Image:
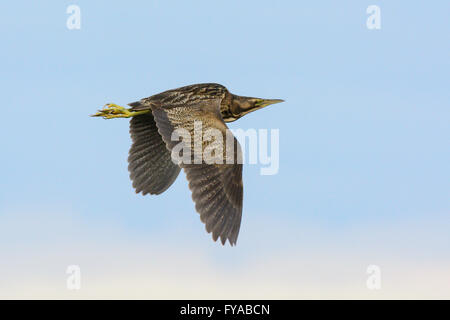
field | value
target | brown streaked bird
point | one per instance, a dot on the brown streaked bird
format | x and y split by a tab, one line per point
216	187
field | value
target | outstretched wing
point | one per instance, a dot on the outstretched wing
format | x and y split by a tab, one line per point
150	164
216	188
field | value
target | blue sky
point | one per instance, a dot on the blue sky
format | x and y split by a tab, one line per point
364	153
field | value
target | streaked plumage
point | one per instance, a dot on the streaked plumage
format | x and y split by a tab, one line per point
216	188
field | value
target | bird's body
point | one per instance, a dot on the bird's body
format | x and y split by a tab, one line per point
216	186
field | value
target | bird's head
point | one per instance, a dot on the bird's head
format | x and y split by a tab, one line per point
240	106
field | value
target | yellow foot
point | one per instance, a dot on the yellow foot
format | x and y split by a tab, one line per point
111	110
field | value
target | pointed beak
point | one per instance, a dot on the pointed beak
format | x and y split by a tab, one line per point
245	105
261	103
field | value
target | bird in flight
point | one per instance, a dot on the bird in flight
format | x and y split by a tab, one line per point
155	160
